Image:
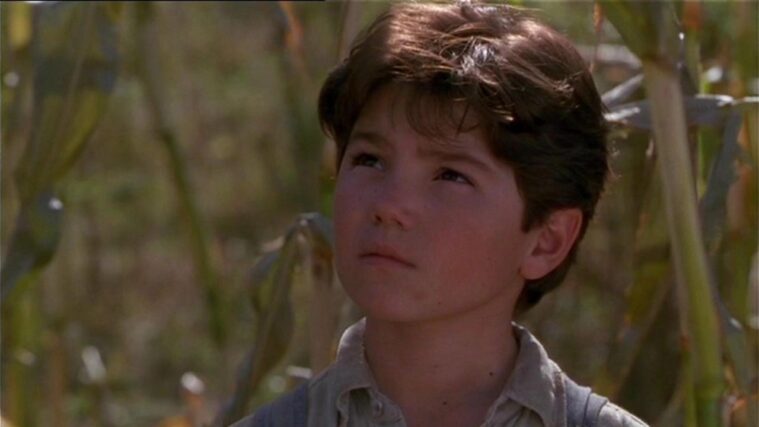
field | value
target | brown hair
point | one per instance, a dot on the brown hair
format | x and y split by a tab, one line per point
527	85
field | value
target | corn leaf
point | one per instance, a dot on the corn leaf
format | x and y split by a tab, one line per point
651	30
651	284
326	296
620	93
150	73
76	63
76	57
700	110
270	286
646	27
33	242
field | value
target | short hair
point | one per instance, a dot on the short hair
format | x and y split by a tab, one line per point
528	86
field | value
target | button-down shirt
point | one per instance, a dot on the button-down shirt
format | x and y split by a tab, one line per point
346	394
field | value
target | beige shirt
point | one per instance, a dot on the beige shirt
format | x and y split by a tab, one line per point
345	394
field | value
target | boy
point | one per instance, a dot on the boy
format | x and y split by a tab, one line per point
471	153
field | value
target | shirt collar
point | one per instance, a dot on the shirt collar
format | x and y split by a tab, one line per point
352	369
533	382
353	373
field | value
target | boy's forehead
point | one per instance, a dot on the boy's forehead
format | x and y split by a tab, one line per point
438	138
449	125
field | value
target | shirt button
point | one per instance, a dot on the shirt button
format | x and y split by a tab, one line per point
377	408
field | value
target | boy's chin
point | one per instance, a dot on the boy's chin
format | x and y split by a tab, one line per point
393	316
386	310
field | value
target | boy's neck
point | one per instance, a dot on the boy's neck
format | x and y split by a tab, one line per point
444	368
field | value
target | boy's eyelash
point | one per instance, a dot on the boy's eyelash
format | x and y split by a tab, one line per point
357	158
468	181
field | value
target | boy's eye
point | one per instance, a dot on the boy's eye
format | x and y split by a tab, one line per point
364	159
452	175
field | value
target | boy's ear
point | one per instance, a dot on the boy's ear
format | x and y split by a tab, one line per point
554	238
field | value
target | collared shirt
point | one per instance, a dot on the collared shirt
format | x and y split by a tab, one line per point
346	394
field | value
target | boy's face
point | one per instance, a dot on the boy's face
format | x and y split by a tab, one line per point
454	224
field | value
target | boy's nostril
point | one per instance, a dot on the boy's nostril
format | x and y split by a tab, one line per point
388	218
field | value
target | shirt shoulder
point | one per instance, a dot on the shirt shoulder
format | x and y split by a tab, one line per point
612	415
323	393
289	409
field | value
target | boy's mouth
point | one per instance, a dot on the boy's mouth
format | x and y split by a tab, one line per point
385	253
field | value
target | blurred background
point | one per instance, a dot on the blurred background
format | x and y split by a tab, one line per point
158	160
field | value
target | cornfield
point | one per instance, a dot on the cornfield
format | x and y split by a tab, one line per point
166	203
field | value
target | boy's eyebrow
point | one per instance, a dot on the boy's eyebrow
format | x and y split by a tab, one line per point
373	138
455	156
377	139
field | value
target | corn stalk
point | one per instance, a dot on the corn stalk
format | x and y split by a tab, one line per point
648	29
150	73
74	46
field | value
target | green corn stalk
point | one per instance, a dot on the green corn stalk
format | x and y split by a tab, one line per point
298	86
649	31
150	74
652	273
76	59
349	27
688	249
723	113
646	296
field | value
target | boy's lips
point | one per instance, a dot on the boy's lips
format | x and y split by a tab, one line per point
385	253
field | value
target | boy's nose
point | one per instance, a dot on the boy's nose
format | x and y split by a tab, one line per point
393	205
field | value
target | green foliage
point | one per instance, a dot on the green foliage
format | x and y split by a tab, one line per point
270	288
76	52
75	48
149	70
698	298
648	28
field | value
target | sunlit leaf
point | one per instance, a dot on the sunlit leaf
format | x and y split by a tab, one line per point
651	30
175	421
714	202
76	62
319	229
620	93
646	295
700	110
33	241
274	325
260	281
648	28
19	24
270	294
713	208
270	289
326	295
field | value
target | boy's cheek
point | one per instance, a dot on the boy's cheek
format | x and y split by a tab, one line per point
349	198
346	219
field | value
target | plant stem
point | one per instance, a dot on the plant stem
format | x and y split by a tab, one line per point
150	74
671	139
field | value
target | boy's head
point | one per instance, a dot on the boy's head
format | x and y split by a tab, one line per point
495	71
